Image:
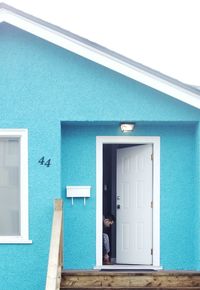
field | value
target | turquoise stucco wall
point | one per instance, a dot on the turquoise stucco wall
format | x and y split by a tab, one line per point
197	184
42	85
178	192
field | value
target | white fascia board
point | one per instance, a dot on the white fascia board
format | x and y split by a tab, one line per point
100	57
2	15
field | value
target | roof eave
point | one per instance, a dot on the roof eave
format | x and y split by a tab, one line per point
100	55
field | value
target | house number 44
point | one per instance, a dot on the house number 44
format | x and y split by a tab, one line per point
42	161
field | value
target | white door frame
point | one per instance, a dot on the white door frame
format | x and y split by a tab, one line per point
155	141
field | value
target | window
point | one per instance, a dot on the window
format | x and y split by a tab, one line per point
14	186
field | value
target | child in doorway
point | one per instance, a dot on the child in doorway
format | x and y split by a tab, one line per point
107	223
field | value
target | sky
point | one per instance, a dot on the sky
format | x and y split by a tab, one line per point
161	34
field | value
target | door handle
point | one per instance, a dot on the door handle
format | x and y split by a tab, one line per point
118	206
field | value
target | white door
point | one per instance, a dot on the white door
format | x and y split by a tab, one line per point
134	205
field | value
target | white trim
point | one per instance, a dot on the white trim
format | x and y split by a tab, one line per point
23	135
14	240
46	31
128	267
155	141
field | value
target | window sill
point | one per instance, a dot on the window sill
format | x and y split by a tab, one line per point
14	240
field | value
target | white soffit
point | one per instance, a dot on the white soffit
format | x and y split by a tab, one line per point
100	55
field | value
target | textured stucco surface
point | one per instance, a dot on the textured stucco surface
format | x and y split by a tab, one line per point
197	184
42	85
178	192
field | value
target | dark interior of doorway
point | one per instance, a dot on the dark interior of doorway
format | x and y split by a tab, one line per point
109	192
109	189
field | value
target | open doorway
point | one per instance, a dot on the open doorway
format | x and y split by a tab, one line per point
109	194
127	163
127	195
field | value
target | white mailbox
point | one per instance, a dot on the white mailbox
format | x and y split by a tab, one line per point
78	191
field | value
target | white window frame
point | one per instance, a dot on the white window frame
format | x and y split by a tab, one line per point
23	238
155	141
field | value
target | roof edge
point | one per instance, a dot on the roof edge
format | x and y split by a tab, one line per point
101	55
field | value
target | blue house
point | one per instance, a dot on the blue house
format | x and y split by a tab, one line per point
63	100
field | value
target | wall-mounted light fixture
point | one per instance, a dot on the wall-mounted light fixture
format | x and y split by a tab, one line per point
127	127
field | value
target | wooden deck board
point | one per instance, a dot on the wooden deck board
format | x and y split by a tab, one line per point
130	272
130	280
136	288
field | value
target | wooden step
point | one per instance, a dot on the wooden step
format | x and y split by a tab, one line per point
118	280
135	288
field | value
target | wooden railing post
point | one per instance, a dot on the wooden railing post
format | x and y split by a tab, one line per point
55	263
